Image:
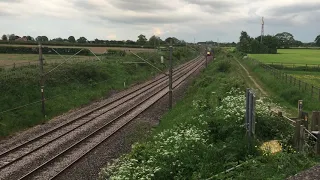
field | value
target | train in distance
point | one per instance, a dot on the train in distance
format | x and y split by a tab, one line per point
210	52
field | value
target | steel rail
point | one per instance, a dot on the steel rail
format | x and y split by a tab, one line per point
91	118
91	111
188	73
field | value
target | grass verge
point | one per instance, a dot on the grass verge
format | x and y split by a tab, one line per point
70	86
282	92
204	135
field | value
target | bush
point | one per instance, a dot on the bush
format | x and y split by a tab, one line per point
224	66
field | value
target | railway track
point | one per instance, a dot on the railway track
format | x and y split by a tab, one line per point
52	152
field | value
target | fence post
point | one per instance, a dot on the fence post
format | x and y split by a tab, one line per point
301	138
300	108
315	121
297	134
250	116
290	79
305	86
318	143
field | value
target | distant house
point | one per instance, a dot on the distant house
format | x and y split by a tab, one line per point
24	38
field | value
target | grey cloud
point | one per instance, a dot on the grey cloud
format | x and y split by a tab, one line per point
215	5
5	14
11	1
271	21
138	6
295	9
84	4
150	19
141	5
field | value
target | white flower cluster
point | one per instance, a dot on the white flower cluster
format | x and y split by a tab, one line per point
166	145
232	107
198	104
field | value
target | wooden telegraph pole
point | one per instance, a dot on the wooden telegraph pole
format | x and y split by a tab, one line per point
42	80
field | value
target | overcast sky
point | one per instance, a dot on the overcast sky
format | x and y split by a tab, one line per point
184	19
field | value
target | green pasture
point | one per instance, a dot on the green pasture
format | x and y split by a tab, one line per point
307	76
290	56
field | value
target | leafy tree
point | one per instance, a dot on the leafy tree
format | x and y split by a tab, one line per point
285	39
270	44
82	40
45	38
72	39
130	42
59	39
255	46
244	44
97	41
317	40
29	38
42	39
174	40
297	43
155	40
4	37
142	39
13	37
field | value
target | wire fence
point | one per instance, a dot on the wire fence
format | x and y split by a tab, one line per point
312	89
294	66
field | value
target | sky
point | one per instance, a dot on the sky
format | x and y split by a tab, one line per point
202	20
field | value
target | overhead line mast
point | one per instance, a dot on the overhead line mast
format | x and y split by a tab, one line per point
262	29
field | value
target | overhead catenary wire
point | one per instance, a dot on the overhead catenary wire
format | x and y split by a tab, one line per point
62	63
148	62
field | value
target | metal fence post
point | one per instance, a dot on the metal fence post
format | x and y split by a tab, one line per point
170	77
42	80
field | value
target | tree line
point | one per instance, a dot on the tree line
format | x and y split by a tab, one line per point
141	40
269	44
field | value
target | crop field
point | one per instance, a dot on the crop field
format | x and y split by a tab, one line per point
291	56
98	50
10	60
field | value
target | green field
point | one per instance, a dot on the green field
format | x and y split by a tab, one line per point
296	56
308	77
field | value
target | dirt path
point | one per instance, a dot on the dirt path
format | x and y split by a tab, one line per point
309	174
252	79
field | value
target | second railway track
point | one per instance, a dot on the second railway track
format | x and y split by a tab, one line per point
47	155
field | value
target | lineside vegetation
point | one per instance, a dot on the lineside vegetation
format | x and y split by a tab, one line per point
204	135
70	86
